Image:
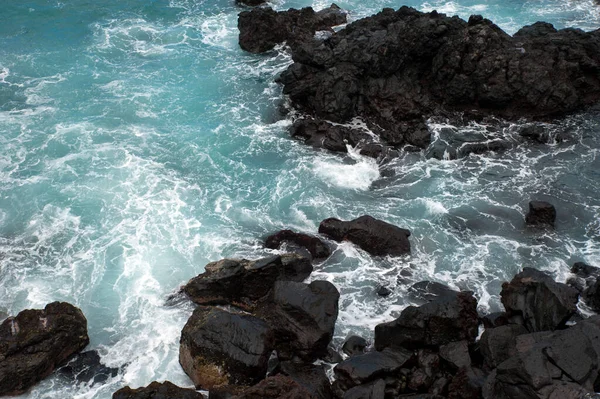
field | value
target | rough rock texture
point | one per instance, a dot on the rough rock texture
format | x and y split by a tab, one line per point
310	377
86	367
241	282
365	368
543	303
317	248
354	345
500	343
466	384
261	29
374	236
302	316
396	67
540	213
157	390
433	324
36	342
276	387
561	364
456	354
373	390
251	3
219	348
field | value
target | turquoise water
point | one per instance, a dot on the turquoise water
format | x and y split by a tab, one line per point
138	143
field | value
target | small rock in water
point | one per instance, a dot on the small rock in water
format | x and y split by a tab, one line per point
384	291
354	345
157	390
86	367
317	248
251	3
541	213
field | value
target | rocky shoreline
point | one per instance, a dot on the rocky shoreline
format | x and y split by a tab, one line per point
259	331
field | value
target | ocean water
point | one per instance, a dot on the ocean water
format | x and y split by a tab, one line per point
138	143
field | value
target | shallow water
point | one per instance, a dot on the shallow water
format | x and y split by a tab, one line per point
138	143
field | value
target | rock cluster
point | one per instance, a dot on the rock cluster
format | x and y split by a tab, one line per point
395	69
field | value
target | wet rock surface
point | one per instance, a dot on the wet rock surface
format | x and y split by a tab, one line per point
317	248
87	367
157	390
372	235
540	213
37	341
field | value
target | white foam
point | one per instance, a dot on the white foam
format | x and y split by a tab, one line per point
356	176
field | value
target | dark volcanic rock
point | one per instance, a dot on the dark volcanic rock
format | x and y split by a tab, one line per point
396	67
540	213
354	345
430	290
276	387
456	354
374	236
560	364
500	343
316	247
365	368
384	291
433	324
36	342
219	348
374	390
261	29
241	282
466	384
584	270
310	377
543	303
157	390
591	295
86	367
251	3
302	316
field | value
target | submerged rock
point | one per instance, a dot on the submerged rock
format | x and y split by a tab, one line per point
354	345
396	67
430	290
86	367
157	390
261	29
317	248
35	342
242	282
543	303
302	317
219	348
541	213
374	236
251	3
433	324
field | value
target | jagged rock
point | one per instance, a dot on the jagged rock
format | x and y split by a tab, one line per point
543	303
584	270
384	291
373	390
310	377
428	364
500	343
393	68
86	367
430	290
35	342
547	363
466	384
218	347
433	324
361	369
261	29
591	295
302	316
354	345
242	282
316	247
456	354
374	236
541	213
157	390
496	319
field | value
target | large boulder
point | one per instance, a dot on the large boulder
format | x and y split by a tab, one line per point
396	67
362	369
317	248
35	342
157	390
310	377
560	364
261	29
374	236
218	348
302	316
541	213
433	324
500	343
543	303
242	282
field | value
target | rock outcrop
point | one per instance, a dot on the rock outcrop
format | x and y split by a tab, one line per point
35	342
157	390
543	303
243	282
374	236
261	29
317	248
218	348
541	213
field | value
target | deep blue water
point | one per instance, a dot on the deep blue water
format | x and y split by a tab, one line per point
138	143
